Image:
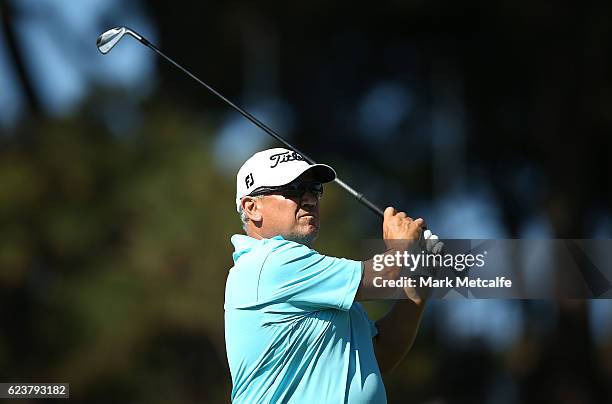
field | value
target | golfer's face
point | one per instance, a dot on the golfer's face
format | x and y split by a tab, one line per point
292	217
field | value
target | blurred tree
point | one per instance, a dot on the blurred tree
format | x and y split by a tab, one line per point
7	13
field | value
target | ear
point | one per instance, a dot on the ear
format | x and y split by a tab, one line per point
252	207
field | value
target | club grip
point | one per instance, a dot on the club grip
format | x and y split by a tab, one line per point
368	204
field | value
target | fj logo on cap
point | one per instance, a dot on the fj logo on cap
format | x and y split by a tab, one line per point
284	157
249	181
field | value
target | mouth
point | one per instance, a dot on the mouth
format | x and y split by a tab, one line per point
308	215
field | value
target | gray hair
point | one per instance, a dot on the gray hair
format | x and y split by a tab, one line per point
243	216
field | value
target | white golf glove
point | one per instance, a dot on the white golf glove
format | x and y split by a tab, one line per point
431	243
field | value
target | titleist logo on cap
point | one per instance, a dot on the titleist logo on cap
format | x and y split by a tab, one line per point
284	157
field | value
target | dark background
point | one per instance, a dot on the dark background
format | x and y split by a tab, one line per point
488	119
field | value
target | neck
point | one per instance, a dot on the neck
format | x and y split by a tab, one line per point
298	238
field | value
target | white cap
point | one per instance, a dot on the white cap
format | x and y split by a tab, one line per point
275	167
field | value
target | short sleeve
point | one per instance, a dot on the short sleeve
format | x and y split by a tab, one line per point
373	327
366	318
295	274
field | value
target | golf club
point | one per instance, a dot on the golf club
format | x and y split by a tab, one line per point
110	38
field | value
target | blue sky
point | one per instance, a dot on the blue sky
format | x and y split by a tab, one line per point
57	39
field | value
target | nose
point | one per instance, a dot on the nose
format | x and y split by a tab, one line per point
308	199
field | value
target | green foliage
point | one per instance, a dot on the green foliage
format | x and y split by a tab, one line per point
109	242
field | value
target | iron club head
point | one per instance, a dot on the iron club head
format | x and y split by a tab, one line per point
109	39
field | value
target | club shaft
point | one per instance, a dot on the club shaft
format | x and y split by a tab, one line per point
359	196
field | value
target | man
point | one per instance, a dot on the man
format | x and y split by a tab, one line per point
294	330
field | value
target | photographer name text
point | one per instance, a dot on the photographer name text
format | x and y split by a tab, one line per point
447	282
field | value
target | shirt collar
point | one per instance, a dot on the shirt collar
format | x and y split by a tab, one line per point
243	244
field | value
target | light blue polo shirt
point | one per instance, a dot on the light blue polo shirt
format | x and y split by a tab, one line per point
293	332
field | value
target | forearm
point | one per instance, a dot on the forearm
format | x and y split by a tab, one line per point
396	332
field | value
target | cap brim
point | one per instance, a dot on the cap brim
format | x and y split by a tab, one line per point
321	172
